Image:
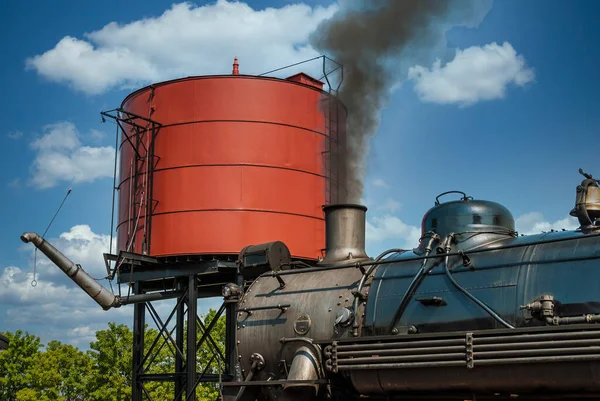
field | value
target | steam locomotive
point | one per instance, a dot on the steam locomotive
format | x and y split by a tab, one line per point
474	311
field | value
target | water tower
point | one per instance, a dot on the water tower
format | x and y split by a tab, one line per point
208	166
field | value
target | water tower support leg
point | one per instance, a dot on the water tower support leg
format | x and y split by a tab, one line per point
179	361
191	335
139	320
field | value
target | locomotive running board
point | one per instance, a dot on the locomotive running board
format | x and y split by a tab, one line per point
466	349
271	383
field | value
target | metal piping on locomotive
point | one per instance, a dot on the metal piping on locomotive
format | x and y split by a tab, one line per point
95	290
345	226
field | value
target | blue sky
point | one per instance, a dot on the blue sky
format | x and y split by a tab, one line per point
509	115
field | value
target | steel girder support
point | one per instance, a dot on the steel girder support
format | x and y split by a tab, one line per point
139	323
175	334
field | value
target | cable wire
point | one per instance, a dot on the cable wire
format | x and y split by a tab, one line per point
483	306
34	281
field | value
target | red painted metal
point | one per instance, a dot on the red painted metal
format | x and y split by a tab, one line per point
236	67
238	160
306	79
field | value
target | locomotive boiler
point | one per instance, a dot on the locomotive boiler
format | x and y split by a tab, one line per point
475	309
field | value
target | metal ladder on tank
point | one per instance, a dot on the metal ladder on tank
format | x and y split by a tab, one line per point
140	133
331	152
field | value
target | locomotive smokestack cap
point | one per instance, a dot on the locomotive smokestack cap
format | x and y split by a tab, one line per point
344	233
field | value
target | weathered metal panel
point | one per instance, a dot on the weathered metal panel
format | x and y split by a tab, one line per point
317	296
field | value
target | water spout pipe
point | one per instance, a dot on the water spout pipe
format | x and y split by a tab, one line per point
95	290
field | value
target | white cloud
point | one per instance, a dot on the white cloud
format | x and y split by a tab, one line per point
389	205
18	289
535	223
60	156
15	135
59	136
14	183
378	182
85	247
475	74
390	227
96	135
185	40
81	336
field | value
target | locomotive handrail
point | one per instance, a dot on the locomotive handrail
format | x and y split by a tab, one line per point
282	307
358	265
464	198
358	294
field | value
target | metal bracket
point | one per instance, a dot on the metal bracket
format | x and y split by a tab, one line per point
258	361
469	351
433	301
283	367
466	261
281	282
333	366
282	307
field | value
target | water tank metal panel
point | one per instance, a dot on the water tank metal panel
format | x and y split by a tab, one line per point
239	160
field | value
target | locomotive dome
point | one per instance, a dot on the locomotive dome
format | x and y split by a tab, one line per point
467	215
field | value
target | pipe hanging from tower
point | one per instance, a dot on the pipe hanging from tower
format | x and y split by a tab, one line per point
95	290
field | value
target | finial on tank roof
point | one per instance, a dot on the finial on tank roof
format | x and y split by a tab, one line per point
236	67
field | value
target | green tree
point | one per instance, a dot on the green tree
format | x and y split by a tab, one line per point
207	357
15	364
62	372
164	362
112	357
111	360
59	373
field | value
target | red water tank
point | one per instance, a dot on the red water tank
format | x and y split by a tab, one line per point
223	162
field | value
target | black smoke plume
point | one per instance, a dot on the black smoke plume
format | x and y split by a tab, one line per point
364	39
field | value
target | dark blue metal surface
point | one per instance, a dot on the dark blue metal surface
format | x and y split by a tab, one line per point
467	216
567	268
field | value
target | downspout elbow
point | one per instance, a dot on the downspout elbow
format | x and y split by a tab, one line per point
31	237
95	290
304	373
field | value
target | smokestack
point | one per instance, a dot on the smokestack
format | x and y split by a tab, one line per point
368	40
344	234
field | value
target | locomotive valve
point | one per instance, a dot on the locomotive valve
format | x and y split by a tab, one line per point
543	306
231	291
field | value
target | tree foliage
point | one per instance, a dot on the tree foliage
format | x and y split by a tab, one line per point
205	361
60	372
16	364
